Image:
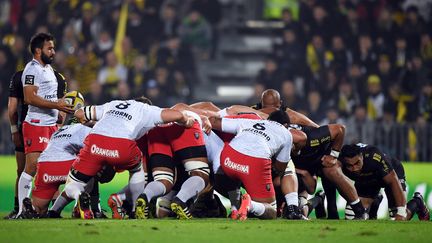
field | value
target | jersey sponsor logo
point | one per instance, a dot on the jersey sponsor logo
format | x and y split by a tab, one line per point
237	167
120	114
196	134
258	132
43	140
314	142
29	79
54	178
104	152
52	96
65	135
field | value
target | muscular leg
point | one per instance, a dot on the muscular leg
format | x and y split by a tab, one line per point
330	191
26	178
40	205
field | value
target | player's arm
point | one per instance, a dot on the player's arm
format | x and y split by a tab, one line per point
337	135
279	168
392	182
299	139
309	181
31	98
170	115
298	118
206	105
236	109
13	120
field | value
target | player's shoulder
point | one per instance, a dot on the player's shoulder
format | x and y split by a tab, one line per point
32	66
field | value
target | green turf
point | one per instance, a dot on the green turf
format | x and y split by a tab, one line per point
212	230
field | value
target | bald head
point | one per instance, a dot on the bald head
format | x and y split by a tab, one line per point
270	98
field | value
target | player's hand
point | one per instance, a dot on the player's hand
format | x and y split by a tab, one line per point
328	161
400	218
189	121
17	139
62	105
206	125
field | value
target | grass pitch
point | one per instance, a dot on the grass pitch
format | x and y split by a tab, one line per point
212	230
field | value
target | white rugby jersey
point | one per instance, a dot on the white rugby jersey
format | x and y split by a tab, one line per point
44	78
214	146
65	143
126	119
259	138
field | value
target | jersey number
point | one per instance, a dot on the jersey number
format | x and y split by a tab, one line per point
259	126
122	106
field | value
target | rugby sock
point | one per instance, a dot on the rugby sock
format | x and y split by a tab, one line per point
60	203
136	185
16	204
373	210
94	197
257	208
357	208
234	197
190	188
122	196
330	191
154	189
292	198
24	189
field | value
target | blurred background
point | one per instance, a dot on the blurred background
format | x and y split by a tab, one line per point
363	63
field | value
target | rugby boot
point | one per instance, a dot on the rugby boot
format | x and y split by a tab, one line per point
51	214
115	203
292	212
423	212
83	206
28	212
180	208
234	214
244	207
11	215
142	207
99	214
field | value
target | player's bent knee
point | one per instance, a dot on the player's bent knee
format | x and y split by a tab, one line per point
197	168
163	207
167	176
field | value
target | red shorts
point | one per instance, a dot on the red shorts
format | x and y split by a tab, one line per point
169	139
98	150
50	175
36	138
254	173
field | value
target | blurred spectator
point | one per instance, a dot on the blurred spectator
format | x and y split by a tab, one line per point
365	53
170	21
111	74
256	96
412	28
290	54
386	27
401	52
129	52
315	109
289	96
426	102
321	24
88	25
84	70
317	56
290	23
175	55
270	76
375	99
196	32
137	75
342	57
347	100
426	49
385	72
359	128
153	92
332	117
96	95
104	44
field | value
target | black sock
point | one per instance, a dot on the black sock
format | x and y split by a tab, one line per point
358	209
94	197
373	210
317	204
330	191
16	205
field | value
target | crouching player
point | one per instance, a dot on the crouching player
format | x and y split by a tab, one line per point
372	170
247	159
113	141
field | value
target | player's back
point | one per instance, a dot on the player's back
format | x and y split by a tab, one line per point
65	143
260	138
126	119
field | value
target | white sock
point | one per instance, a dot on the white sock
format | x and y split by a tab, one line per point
60	203
292	198
122	196
24	189
190	188
355	202
154	189
257	208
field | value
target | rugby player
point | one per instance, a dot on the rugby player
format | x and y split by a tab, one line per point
168	144
372	170
113	141
17	111
40	93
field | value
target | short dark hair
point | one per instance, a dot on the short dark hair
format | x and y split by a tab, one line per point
349	151
38	40
279	116
144	100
